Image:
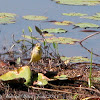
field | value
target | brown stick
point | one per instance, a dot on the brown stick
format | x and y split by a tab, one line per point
89	50
53	90
89	37
85	63
84	88
80	42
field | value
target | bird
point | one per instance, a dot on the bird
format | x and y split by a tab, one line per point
36	53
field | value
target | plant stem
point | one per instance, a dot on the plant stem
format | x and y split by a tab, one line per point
90	74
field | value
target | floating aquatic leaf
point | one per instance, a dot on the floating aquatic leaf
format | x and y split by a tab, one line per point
63	23
98	14
54	30
78	2
75	59
7	15
61	40
23	72
85	25
94	17
49	35
74	14
33	17
6	18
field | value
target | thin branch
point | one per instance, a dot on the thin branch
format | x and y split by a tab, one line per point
84	88
89	37
53	90
89	50
86	63
80	42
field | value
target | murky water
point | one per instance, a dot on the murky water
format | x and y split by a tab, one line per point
54	12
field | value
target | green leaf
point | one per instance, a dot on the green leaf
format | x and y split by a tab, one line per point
42	80
44	43
61	40
85	25
75	59
29	37
38	30
94	17
54	30
22	72
74	14
55	45
6	18
23	31
78	2
61	77
63	23
48	35
30	29
33	17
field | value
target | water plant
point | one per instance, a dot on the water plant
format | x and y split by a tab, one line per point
90	74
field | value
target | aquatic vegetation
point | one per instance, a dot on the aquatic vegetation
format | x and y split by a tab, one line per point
6	18
54	30
61	40
63	23
75	59
74	14
94	17
86	25
78	2
33	17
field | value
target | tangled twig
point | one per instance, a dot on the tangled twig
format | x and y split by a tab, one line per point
80	42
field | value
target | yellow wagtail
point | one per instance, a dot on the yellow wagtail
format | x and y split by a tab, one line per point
36	53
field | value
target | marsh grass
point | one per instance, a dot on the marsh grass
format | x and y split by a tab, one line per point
90	74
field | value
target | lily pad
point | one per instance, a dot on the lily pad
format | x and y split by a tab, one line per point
78	2
48	35
63	23
33	17
6	18
54	30
74	14
87	25
75	59
23	72
94	17
61	40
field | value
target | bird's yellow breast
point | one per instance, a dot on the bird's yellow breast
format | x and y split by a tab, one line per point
36	54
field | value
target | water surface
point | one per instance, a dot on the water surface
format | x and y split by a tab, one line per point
54	12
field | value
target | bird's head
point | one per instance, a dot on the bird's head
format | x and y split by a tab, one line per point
38	46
